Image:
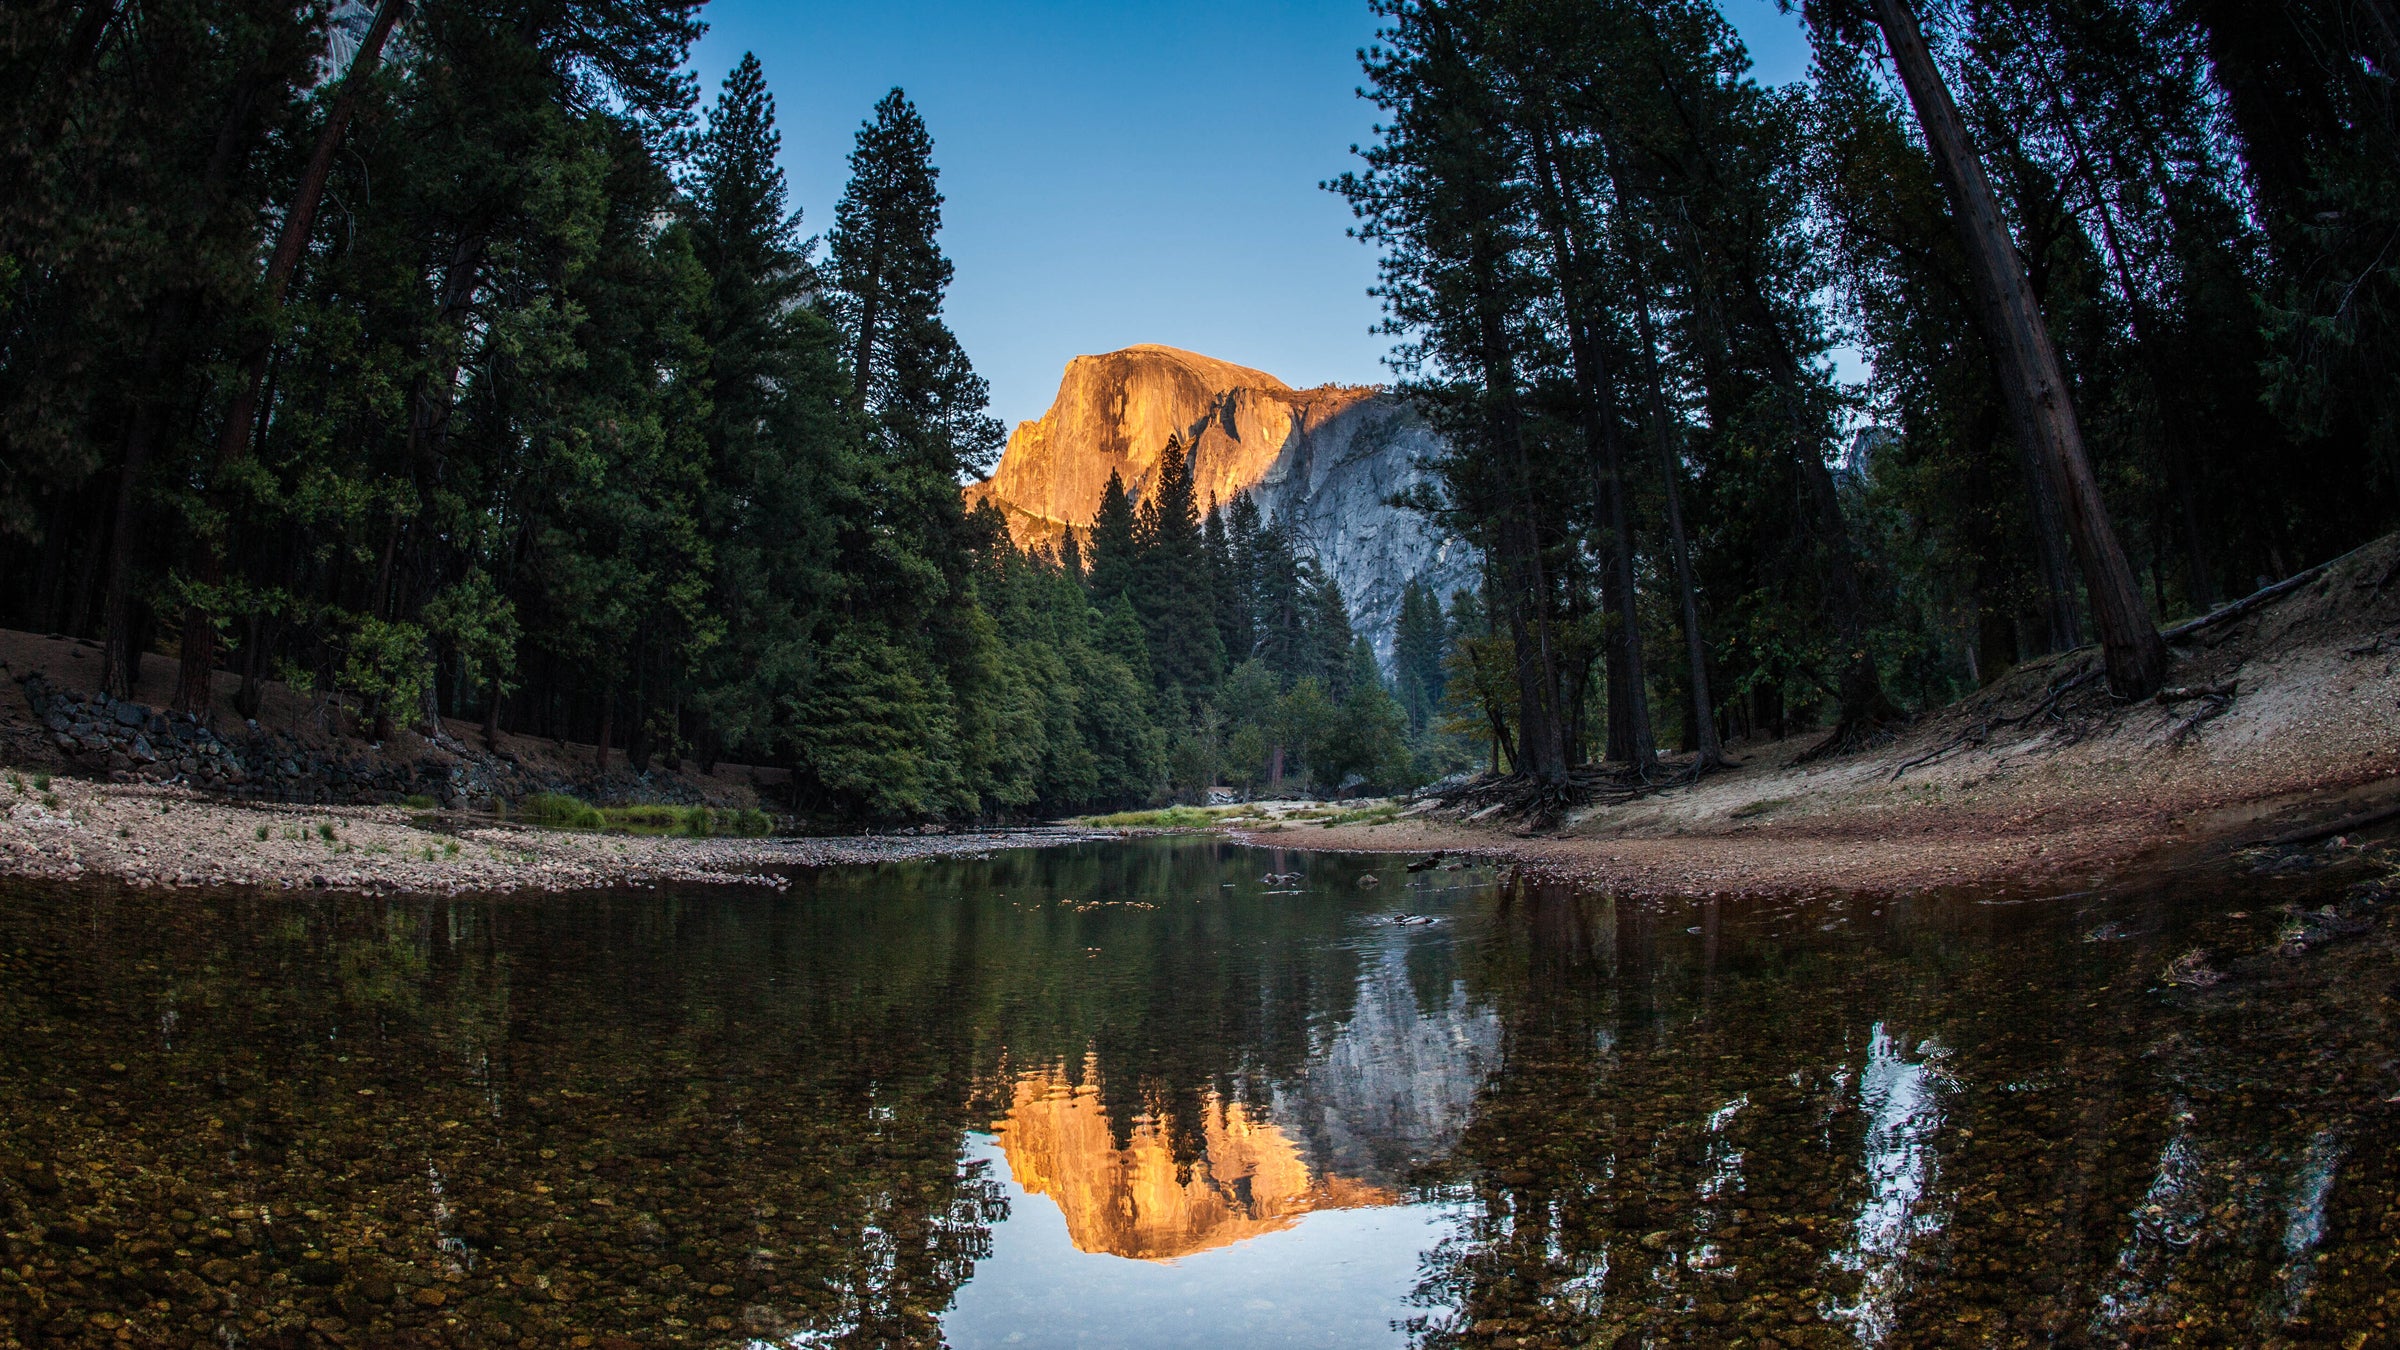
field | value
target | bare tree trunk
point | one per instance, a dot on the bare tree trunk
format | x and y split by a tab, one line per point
2031	378
1596	404
199	626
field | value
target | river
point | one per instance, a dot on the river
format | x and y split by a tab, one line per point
1185	1093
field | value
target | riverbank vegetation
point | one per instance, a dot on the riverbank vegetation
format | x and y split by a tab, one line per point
2119	272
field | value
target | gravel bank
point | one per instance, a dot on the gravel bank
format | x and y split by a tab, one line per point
167	836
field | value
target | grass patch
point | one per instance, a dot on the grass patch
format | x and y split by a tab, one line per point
325	831
699	822
1166	818
262	834
41	782
418	801
1760	808
560	812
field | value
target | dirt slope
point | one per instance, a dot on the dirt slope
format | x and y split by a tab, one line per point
2084	788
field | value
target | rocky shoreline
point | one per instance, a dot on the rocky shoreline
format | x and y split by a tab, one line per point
161	835
133	742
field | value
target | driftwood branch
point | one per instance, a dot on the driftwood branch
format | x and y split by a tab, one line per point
2235	610
2228	613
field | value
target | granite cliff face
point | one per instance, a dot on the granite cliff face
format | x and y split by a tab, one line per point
1326	460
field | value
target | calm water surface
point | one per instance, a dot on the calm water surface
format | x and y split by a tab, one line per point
1167	1094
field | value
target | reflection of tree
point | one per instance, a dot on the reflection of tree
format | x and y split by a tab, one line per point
1974	1126
1139	959
739	1111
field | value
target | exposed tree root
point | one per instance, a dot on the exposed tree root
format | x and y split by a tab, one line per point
2079	676
2214	700
1532	806
1861	733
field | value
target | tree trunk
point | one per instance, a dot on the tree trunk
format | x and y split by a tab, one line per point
1863	703
1596	406
2032	380
608	721
1541	752
491	717
199	626
141	435
2062	628
1670	469
143	426
2180	469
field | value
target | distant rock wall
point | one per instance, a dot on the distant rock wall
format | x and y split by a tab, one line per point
1327	460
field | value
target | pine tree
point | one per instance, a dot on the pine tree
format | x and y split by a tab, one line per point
1418	641
1173	590
1330	643
1280	605
908	373
779	441
1115	551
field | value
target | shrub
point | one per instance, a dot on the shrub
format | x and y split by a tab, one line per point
751	823
418	801
325	831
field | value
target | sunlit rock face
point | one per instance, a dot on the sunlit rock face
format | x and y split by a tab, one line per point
1328	460
1248	1177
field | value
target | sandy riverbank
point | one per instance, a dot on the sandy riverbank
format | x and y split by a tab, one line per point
2303	731
166	836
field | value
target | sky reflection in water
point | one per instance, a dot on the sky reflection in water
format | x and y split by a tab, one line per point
1132	1095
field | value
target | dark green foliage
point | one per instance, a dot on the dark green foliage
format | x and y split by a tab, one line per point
565	428
1174	586
1598	231
1417	649
1115	547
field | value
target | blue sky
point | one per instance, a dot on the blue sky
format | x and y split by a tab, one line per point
1117	173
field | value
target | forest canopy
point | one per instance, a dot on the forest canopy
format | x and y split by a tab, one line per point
462	358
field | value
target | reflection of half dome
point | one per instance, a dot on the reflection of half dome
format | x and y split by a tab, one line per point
1247	1179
